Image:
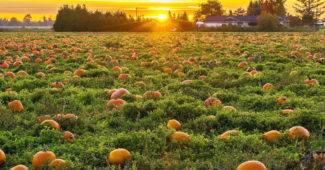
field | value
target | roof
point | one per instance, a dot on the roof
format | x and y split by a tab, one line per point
252	19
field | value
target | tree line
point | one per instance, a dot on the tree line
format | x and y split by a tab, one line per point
79	18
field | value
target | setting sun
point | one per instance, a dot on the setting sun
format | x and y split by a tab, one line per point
162	17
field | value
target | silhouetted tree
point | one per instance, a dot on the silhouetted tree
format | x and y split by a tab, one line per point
254	8
240	12
310	10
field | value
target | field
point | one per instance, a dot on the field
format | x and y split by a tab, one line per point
209	82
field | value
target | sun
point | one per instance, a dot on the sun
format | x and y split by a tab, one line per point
162	17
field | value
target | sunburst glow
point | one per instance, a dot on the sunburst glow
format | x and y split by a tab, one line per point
162	17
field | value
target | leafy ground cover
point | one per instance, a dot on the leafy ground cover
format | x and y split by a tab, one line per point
209	82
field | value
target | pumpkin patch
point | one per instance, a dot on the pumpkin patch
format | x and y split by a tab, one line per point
166	100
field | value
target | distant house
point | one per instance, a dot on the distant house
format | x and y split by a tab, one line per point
321	23
241	21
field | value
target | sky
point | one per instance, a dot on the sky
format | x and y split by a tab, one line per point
150	8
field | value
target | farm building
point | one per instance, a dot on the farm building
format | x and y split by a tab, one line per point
242	21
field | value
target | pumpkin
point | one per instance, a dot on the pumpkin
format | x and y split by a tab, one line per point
16	106
229	108
70	116
272	135
52	123
119	93
116	69
58	84
41	158
168	70
115	103
68	136
123	76
17	63
19	167
286	111
212	102
118	156
10	74
2	158
251	165
268	86
225	135
43	118
281	100
40	74
38	60
58	164
152	94
79	72
298	132
75	77
242	64
22	73
187	81
4	65
181	137
311	81
247	74
174	124
202	77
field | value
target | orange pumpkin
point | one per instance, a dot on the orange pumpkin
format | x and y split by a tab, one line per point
119	93
286	111
187	81
70	116
311	81
268	86
17	63
58	84
181	137
174	124
123	76
19	167
16	106
281	100
42	158
52	123
10	74
116	69
298	132
242	64
251	165
2	158
68	136
4	65
152	94
22	73
140	84
272	135
118	156
40	74
228	133
58	164
79	72
212	102
115	103
38	60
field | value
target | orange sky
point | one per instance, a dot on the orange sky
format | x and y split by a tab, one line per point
49	8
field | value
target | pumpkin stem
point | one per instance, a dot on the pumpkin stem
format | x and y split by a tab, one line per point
308	77
45	148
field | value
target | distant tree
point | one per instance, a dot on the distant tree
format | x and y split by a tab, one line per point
230	13
310	10
267	22
13	21
275	7
184	16
27	19
240	12
212	7
254	8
